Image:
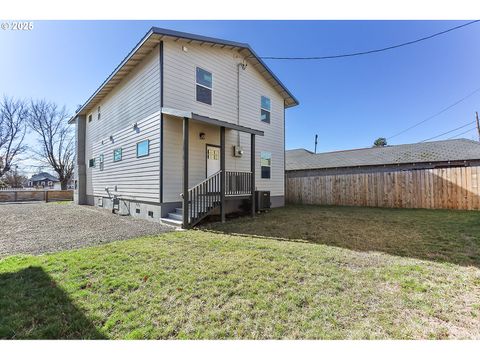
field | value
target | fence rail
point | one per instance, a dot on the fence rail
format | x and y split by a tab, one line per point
19	195
442	188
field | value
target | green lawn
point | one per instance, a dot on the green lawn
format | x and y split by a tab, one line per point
280	281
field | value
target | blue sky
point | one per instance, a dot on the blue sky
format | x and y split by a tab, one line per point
348	102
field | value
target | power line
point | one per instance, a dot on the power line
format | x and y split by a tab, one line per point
436	114
454	136
448	132
368	51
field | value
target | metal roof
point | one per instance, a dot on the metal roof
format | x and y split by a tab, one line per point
427	152
154	36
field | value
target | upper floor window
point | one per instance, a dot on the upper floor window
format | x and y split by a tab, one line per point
90	118
266	164
91	162
204	86
98	113
265	109
143	148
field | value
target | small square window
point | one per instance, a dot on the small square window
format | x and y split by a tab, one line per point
117	155
91	163
266	164
90	118
143	148
150	214
265	109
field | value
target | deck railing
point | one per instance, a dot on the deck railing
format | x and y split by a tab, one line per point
238	183
206	195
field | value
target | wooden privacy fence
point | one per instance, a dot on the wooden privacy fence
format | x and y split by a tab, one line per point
441	188
16	195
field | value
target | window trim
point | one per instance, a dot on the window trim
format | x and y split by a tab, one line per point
201	85
121	154
269	166
264	109
101	160
148	148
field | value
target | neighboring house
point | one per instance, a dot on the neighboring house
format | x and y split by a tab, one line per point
184	126
43	180
424	155
437	174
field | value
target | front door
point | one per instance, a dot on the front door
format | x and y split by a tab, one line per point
213	159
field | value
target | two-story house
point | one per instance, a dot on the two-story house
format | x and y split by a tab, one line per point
184	126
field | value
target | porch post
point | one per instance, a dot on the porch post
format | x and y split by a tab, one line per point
222	174
185	173
252	165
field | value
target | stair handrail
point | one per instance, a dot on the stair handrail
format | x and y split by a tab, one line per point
204	181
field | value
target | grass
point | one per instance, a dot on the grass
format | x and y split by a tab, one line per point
212	285
438	235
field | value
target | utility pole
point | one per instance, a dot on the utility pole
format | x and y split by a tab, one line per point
478	125
316	139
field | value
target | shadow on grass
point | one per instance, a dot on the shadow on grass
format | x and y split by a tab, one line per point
434	235
32	306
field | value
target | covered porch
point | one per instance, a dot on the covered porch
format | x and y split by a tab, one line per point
212	193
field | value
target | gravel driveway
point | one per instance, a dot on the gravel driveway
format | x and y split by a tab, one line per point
36	228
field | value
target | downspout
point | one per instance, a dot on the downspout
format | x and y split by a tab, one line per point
242	65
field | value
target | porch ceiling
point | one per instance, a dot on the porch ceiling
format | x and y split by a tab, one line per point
210	121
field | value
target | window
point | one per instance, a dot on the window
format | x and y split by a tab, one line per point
266	164
117	155
98	113
265	109
100	160
204	86
91	163
90	118
143	148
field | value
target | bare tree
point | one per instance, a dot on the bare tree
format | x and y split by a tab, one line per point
13	127
14	179
55	138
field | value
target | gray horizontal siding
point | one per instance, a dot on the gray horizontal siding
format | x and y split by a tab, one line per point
136	99
179	88
135	178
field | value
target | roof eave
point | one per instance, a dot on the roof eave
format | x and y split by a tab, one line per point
289	99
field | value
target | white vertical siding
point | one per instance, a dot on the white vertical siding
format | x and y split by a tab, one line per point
135	99
179	87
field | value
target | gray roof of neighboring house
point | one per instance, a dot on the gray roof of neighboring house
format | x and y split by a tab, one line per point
426	152
43	176
153	37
